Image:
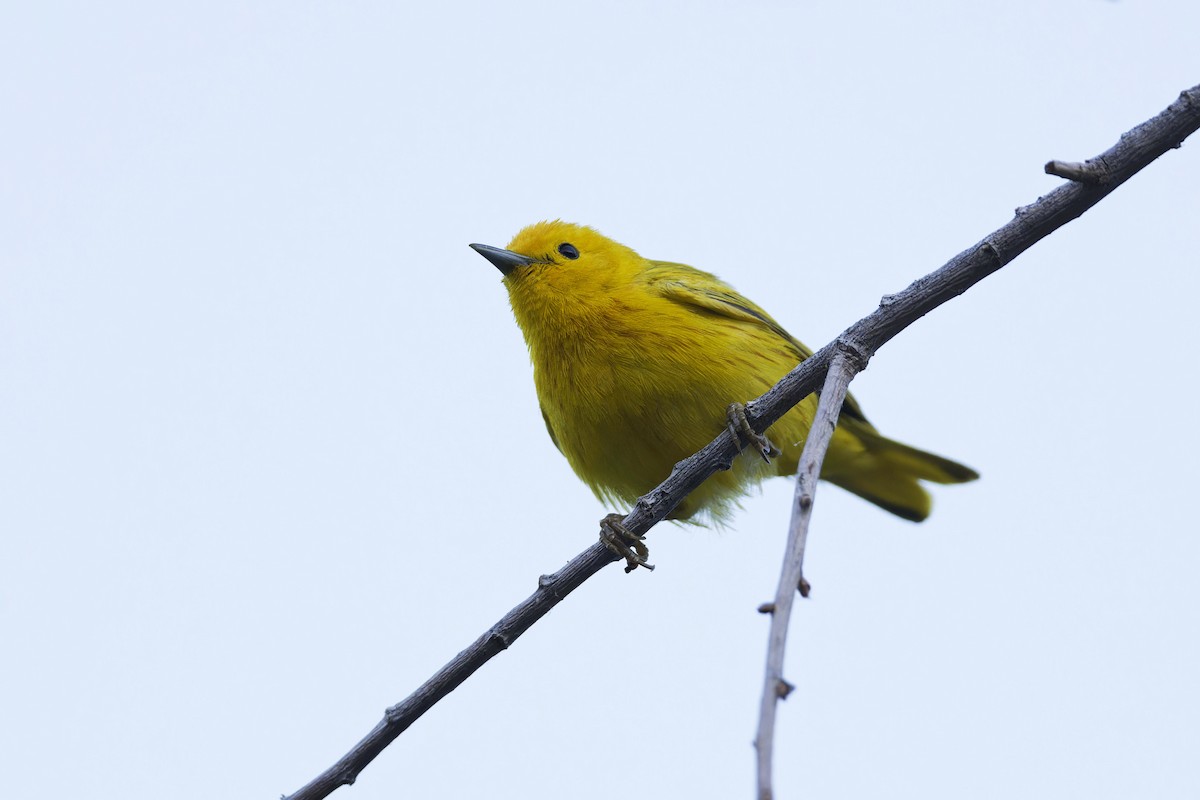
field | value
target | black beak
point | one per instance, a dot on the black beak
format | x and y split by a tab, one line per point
505	260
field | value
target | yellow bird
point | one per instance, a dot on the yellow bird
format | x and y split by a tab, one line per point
636	361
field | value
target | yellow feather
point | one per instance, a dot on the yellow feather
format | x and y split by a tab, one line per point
635	362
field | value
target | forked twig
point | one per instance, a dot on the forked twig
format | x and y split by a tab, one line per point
1091	180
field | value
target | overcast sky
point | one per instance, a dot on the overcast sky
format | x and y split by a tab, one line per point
270	452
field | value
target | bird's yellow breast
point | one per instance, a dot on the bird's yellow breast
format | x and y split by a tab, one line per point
636	362
631	382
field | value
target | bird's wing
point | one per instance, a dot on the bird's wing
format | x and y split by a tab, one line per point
549	429
704	292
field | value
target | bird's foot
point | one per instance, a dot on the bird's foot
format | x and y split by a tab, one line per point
739	426
624	542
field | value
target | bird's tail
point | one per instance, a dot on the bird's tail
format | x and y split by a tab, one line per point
888	473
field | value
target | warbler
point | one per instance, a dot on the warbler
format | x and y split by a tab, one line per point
636	362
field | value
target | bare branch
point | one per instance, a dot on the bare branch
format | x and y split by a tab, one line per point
1134	151
848	362
1092	171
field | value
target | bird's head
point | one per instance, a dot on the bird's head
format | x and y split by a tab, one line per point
560	262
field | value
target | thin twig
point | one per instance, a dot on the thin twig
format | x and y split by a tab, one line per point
848	362
1092	171
896	312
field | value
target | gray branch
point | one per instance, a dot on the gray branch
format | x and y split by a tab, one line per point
1135	150
849	360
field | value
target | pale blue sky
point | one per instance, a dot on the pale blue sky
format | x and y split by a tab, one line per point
270	452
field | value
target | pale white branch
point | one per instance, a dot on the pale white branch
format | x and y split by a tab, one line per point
847	362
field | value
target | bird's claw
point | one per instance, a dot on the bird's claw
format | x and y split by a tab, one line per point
739	426
627	545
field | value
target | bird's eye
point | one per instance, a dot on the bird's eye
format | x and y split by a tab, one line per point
567	249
